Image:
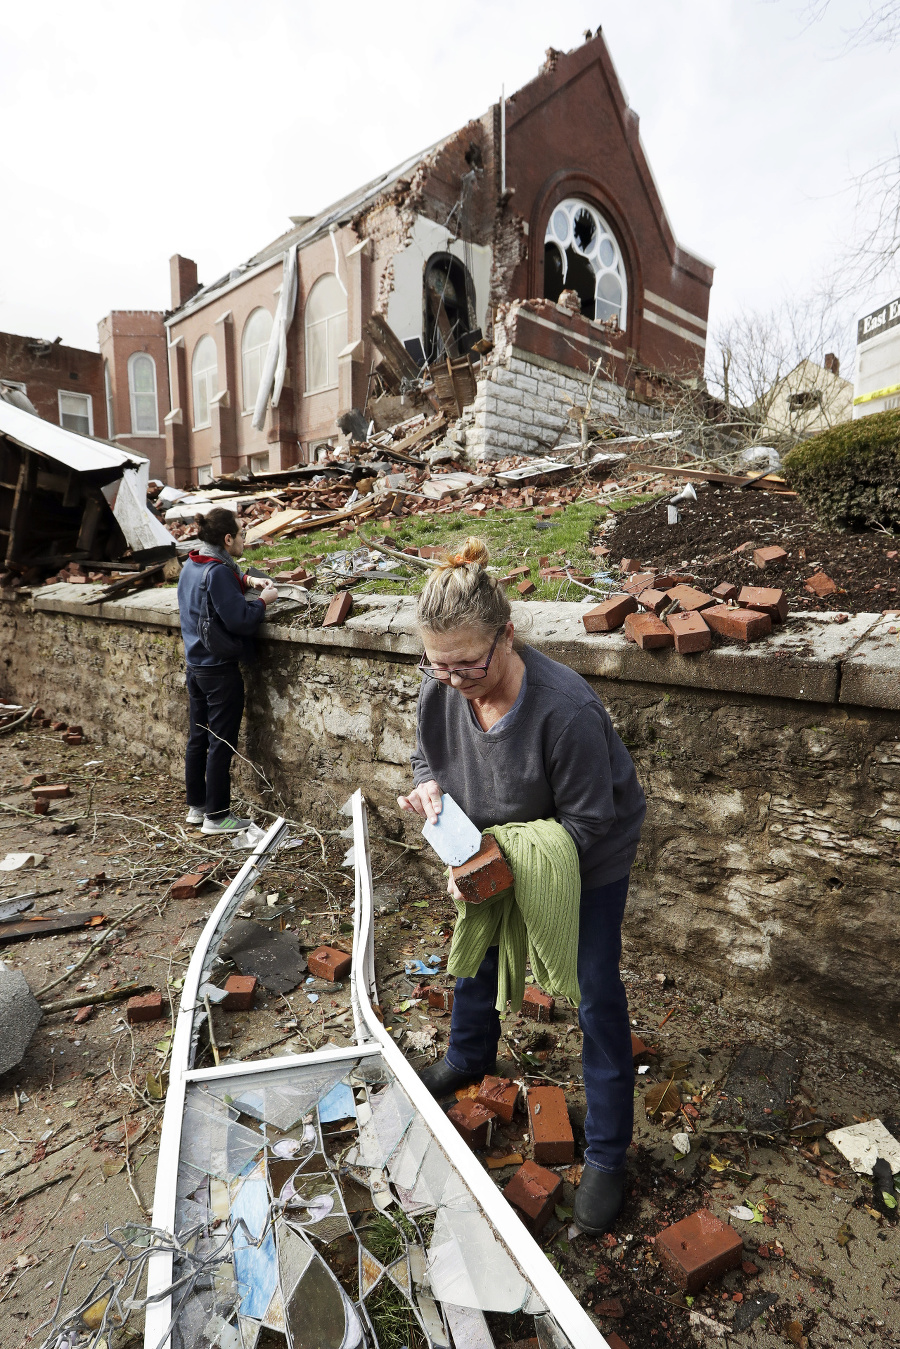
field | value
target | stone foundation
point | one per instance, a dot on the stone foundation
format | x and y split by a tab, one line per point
768	863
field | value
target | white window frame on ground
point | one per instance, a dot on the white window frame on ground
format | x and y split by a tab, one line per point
602	253
143	401
110	404
204	380
204	475
319	450
259	463
88	413
254	345
325	329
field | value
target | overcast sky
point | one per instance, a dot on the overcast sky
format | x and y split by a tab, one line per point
200	126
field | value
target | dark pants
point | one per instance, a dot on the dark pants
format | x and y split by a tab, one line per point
603	1015
216	700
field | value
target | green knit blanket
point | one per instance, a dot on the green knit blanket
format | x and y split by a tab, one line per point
536	919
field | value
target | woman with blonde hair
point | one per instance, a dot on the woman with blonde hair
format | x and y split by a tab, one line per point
514	736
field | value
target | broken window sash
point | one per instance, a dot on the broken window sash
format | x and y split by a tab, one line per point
581	253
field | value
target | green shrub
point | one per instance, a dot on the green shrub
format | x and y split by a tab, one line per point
850	475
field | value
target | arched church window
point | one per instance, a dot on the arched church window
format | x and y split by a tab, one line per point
581	253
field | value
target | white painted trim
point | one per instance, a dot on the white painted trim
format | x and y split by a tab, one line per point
674	328
675	309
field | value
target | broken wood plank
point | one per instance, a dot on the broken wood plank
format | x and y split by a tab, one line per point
46	926
769	482
396	360
95	999
272	527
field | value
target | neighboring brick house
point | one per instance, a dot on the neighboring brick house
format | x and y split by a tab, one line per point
64	384
551	192
120	393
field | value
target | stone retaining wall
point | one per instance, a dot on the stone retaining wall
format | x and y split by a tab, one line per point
768	863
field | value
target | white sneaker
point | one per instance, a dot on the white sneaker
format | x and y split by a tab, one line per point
195	815
229	824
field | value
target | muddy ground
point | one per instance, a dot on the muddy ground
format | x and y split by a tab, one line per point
80	1116
716	536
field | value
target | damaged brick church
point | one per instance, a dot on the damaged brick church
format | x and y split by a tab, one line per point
449	269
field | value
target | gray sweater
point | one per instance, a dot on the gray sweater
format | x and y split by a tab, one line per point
555	755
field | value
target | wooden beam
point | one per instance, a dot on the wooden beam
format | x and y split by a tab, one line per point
769	483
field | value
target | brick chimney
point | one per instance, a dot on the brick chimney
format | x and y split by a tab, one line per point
183	276
832	364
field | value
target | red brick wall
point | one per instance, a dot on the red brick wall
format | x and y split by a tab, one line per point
122	333
45	368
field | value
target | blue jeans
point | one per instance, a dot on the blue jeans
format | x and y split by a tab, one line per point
603	1016
216	706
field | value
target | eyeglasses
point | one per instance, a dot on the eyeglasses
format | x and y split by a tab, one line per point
468	672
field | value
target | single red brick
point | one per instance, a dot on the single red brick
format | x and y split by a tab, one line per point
654	600
412	552
46	723
689	598
599	551
648	631
69	739
485	874
41	805
610	1306
742	625
526	587
690	633
520	571
187	886
83	1014
441	998
629	564
642	581
58	792
537	1006
33	780
59	726
533	1191
551	1131
38	713
665	581
147	1008
638	1049
472	1121
610	614
765	601
699	1248
765	557
326	962
821	584
725	592
239	993
615	1341
338	610
500	1095
75	730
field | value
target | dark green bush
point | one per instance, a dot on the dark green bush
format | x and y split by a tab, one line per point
850	475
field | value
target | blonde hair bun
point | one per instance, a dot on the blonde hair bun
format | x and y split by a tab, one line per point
474	551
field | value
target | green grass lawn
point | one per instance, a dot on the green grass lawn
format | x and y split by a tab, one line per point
512	537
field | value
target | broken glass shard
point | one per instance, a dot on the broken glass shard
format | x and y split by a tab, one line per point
255	1256
280	1102
338	1105
370	1271
399	1272
468	1327
216	1144
431	1319
318	1314
468	1266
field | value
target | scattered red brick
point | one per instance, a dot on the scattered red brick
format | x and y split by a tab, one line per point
59	792
689	632
83	1014
240	990
742	625
821	584
610	614
38	714
526	587
653	600
611	1306
472	1121
699	1248
638	1049
551	1132
33	780
629	564
533	1191
69	739
338	610
667	580
690	598
187	886
59	726
440	998
764	600
485	874
598	551
41	805
724	592
749	1268
500	1095
147	1008
537	1006
615	1341
326	962
76	730
648	631
765	557
642	581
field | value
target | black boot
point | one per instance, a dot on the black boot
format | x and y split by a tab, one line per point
442	1080
598	1199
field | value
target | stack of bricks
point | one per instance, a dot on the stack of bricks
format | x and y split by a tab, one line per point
660	611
